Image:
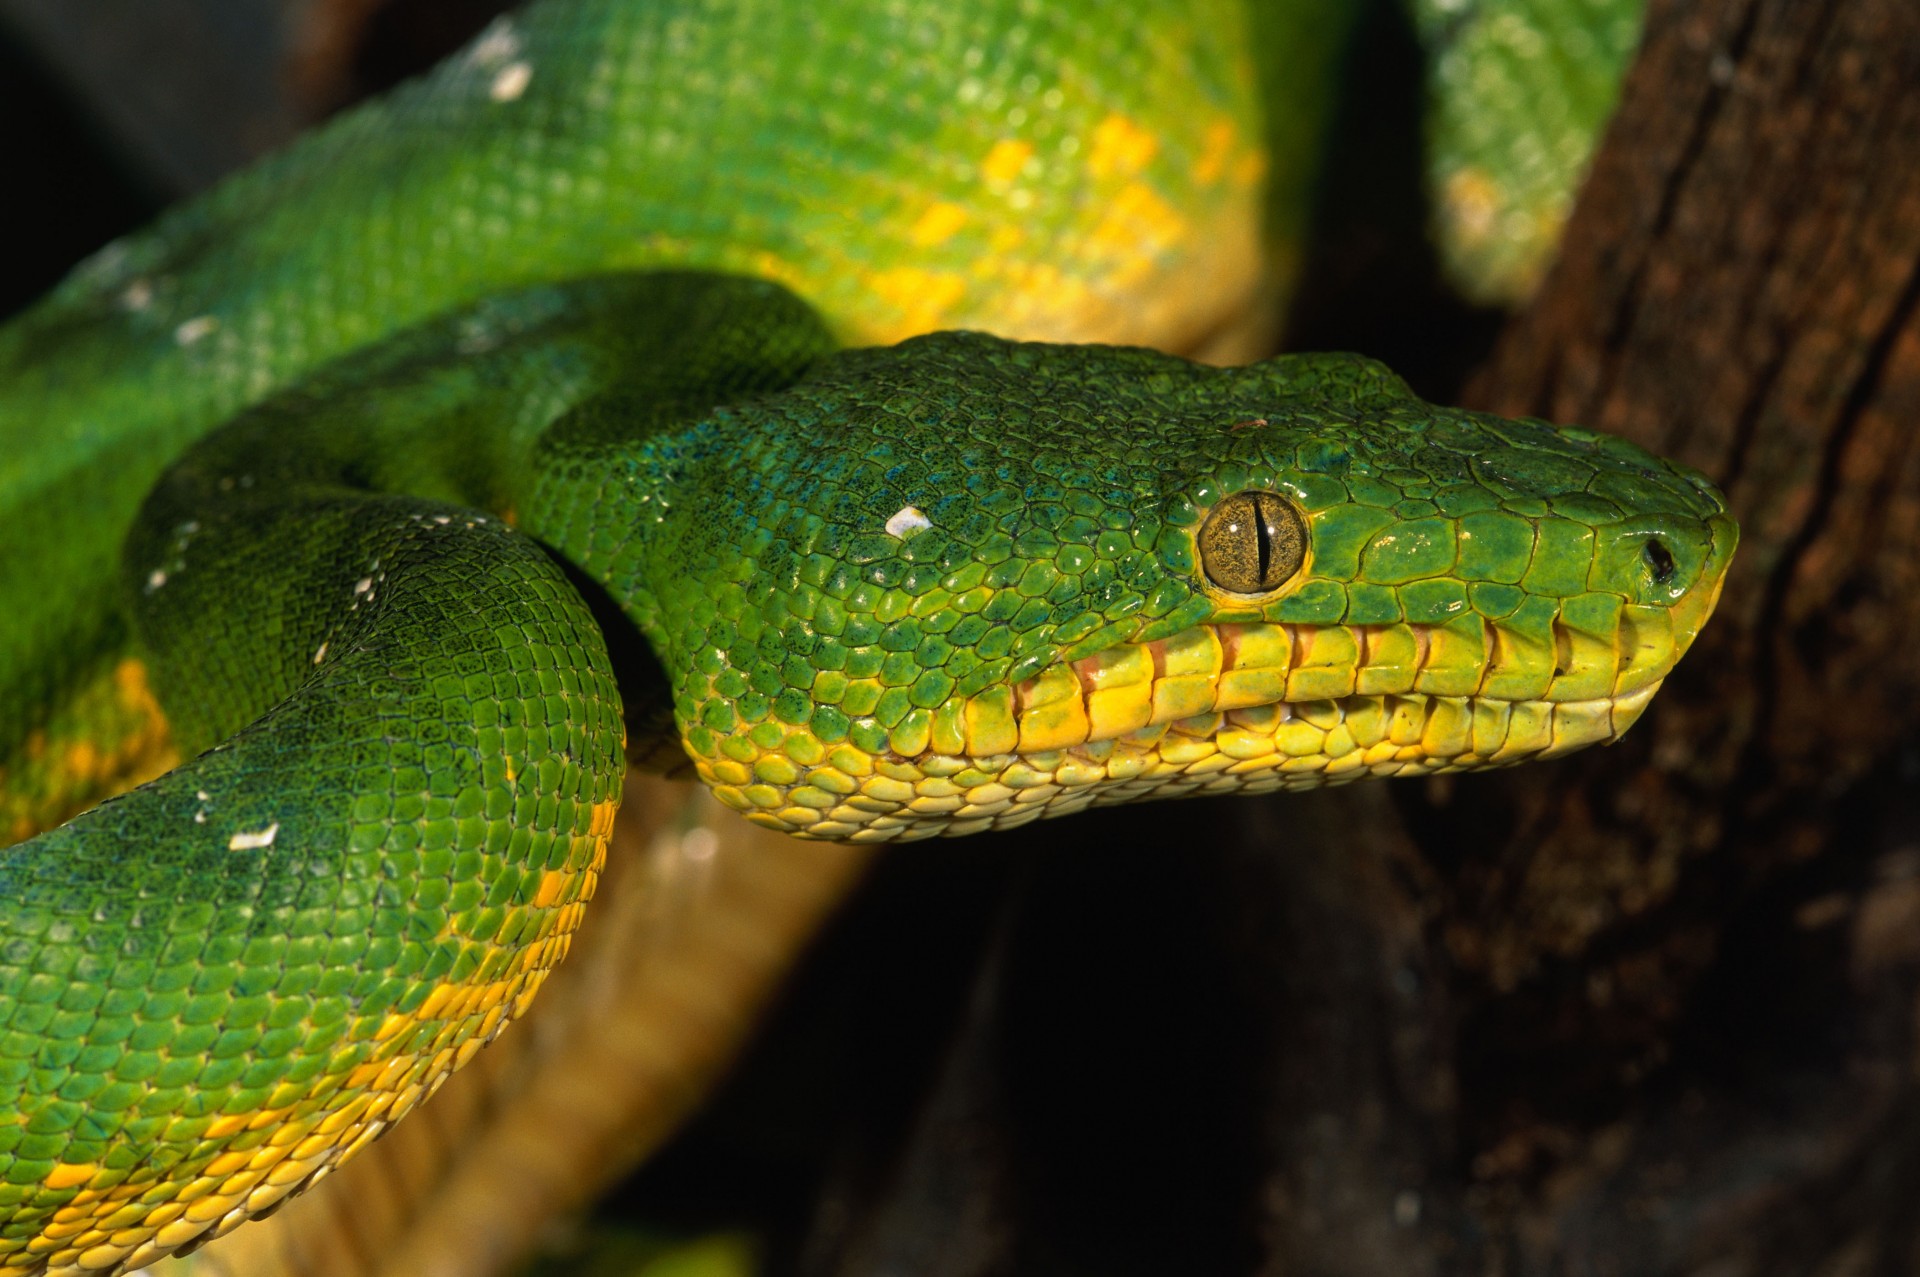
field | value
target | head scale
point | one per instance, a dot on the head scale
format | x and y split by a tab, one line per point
962	583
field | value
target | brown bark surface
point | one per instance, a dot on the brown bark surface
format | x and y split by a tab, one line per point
1716	928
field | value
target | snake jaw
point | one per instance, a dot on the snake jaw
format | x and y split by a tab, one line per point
1235	707
1223	708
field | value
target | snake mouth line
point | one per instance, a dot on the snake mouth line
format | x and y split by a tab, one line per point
1221	708
1121	692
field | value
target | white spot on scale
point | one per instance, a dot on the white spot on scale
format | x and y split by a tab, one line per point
138	296
256	840
364	584
320	655
907	519
203	795
496	44
196	329
511	82
105	263
156	579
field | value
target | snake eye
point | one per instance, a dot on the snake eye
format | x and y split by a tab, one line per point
1660	559
1252	542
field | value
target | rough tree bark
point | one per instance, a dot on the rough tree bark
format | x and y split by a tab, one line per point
1733	900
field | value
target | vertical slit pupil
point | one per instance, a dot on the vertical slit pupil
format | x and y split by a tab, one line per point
1263	539
1251	543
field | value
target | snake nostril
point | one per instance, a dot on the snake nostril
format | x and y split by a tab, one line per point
1660	559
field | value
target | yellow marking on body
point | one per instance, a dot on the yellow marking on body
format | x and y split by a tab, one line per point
1249	168
362	1077
1120	148
1472	201
394	1024
107	737
82	761
1005	239
71	1174
1040	282
938	224
776	268
552	884
1156	218
921	297
1006	161
226	1164
601	827
130	678
435	1005
1215	151
1137	229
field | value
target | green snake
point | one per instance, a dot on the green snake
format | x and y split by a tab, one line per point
595	356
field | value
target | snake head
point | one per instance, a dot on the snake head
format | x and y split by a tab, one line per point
962	583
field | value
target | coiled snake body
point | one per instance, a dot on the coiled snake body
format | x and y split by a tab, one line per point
517	361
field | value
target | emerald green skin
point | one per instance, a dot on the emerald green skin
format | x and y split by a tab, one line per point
386	597
1517	94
